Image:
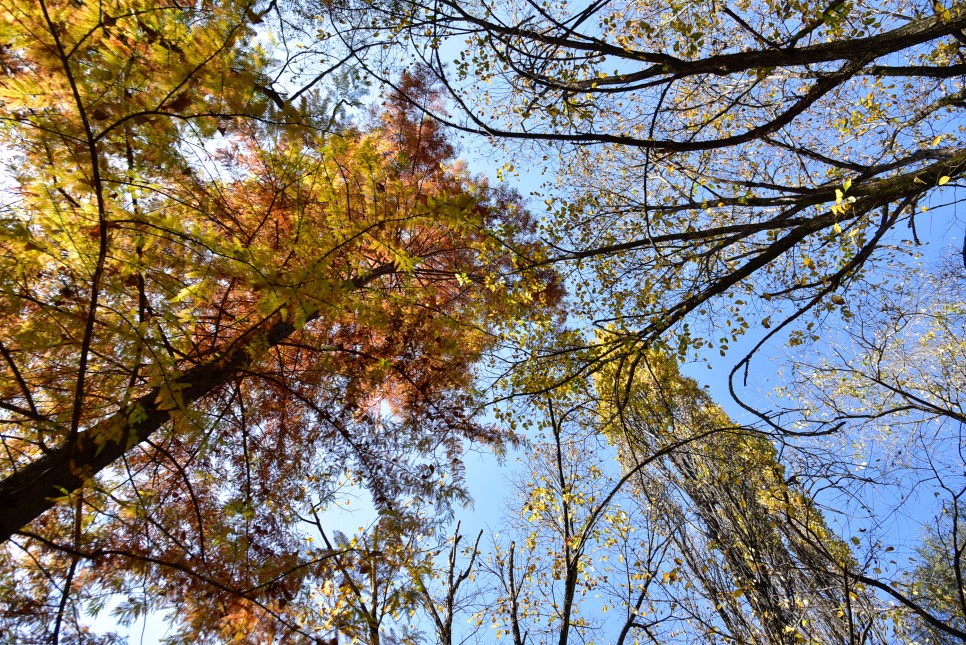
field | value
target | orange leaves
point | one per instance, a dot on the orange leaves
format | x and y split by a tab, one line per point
275	308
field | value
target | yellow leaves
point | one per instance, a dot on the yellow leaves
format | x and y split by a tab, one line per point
186	293
945	14
843	203
943	180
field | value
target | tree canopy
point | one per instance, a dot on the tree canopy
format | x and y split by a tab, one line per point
215	310
716	167
232	293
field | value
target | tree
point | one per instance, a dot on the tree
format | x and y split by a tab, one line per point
703	537
769	168
938	580
568	538
719	168
390	584
446	596
370	585
753	541
216	303
895	380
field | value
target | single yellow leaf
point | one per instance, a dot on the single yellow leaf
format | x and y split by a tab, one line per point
943	180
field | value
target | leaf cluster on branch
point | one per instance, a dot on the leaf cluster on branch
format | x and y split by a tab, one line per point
230	298
717	168
217	306
766	169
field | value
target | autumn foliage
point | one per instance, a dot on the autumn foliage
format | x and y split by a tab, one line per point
217	309
240	287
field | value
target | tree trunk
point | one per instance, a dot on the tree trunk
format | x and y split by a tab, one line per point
32	490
